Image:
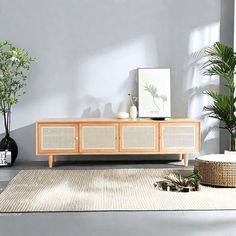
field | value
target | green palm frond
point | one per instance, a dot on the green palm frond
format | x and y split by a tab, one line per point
177	180
222	109
221	61
222	57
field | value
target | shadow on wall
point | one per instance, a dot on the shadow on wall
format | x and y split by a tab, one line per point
130	85
196	83
96	111
25	139
209	126
100	107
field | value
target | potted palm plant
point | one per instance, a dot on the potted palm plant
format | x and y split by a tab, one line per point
14	62
221	61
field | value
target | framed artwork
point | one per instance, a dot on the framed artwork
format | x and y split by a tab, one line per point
154	92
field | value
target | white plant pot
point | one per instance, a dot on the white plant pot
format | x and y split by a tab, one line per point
133	112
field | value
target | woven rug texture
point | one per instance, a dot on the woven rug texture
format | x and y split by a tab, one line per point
105	190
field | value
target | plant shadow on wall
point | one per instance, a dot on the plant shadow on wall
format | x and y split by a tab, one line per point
129	86
100	107
14	62
196	93
96	108
220	60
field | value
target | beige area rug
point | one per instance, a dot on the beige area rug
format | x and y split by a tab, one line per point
105	190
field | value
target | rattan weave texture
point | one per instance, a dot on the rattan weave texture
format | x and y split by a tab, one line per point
217	173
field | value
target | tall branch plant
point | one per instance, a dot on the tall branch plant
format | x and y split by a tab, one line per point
221	61
14	63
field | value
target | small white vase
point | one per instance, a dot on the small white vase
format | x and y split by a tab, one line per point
133	112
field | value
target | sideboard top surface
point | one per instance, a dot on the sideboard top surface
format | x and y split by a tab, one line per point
116	120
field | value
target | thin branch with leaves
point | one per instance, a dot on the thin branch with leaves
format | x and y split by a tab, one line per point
14	62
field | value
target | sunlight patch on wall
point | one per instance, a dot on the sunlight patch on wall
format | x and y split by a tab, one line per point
203	36
196	83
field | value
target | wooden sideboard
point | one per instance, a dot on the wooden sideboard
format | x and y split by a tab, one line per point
117	136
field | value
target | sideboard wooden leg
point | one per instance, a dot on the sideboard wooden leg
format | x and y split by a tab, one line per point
180	157
185	159
50	161
54	158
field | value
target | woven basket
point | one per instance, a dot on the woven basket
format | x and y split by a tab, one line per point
217	173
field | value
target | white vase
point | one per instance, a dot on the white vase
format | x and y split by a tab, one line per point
133	112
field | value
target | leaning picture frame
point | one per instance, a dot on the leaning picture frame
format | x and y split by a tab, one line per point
154	93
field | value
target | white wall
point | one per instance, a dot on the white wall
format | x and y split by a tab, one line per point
87	52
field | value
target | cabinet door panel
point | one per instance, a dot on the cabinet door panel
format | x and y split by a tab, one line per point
100	138
138	137
57	138
179	137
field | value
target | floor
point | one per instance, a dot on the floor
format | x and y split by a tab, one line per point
149	223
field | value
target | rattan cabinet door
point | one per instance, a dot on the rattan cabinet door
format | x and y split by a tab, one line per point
179	137
138	137
57	138
98	138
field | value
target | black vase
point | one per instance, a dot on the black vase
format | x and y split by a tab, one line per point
8	143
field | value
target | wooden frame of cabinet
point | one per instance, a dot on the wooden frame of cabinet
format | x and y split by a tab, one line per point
39	149
100	150
182	151
52	153
194	149
118	124
139	150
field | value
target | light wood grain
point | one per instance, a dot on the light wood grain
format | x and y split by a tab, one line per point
185	159
41	151
180	157
116	120
194	149
139	150
50	161
118	124
101	150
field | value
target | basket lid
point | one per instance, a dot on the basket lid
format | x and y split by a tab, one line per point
218	158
